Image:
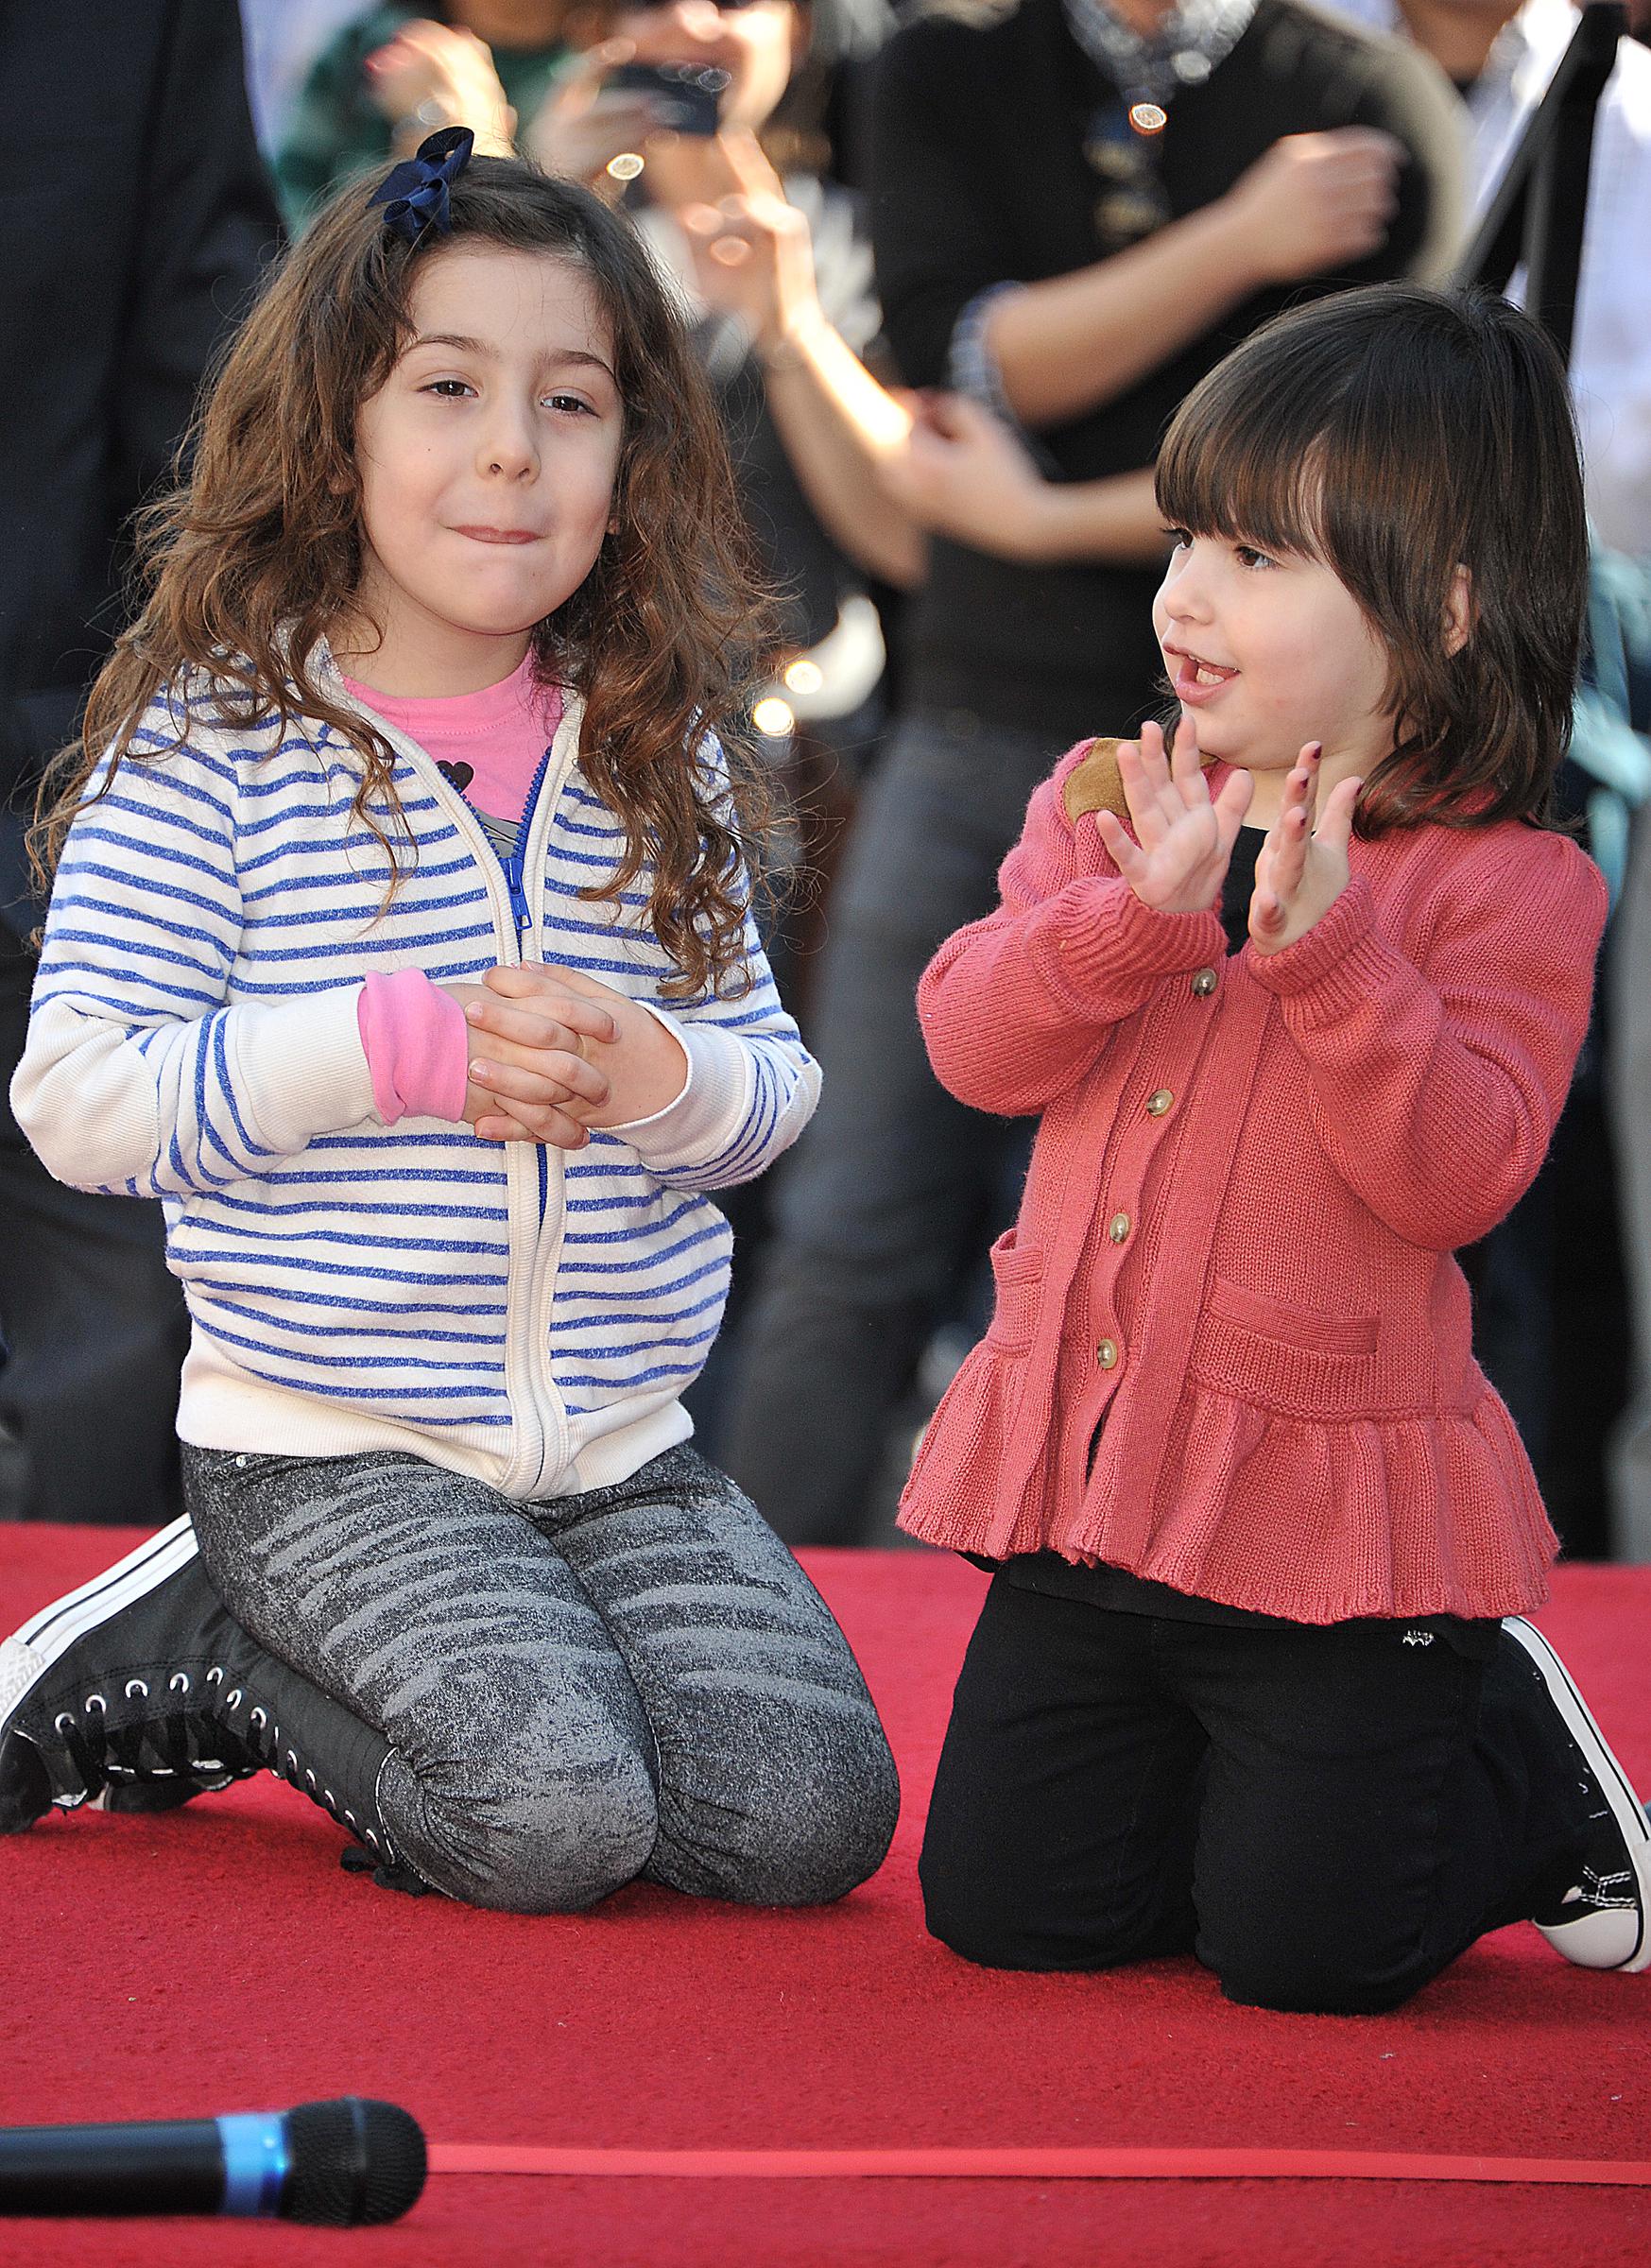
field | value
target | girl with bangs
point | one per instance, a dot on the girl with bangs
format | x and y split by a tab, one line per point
400	944
1295	991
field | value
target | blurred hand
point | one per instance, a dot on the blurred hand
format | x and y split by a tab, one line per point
686	31
583	125
964	475
753	256
1315	203
435	75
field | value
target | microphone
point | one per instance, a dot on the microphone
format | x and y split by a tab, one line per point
334	2165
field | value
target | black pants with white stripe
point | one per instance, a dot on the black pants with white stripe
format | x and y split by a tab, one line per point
1326	1816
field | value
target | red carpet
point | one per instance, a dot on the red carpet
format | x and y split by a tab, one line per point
218	1959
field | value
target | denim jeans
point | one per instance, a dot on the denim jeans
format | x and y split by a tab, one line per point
896	1188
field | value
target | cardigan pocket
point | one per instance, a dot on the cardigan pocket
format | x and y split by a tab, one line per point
1303	1327
1297	1360
1018	1271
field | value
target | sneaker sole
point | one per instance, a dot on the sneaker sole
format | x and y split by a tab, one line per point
1627	1809
34	1645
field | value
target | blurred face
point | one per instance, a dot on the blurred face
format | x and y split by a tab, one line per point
756	45
1268	651
487	460
510	23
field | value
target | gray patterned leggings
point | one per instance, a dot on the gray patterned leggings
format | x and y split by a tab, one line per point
640	1680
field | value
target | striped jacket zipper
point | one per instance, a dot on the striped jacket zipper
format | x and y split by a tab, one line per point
539	1441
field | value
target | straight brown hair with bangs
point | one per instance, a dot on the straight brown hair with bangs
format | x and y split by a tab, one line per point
1394	433
250	562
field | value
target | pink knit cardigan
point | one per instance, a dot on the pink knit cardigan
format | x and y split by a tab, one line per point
1295	1421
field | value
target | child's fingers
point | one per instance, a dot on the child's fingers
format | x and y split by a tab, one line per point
498	1125
1125	854
550	1081
1237	794
575	981
1308	763
525	1026
566	1000
1335	825
559	1131
1288	863
1267	913
1138	793
1186	770
1153	760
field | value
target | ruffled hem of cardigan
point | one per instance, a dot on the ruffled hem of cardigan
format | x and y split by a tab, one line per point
1417	1514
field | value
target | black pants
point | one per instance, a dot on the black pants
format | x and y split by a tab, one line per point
1326	1816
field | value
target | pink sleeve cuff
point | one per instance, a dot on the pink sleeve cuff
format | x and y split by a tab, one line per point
417	1044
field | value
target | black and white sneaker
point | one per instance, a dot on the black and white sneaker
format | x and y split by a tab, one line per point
139	1690
1600	1920
80	1718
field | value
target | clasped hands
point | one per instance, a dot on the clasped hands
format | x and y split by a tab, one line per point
1176	860
554	1053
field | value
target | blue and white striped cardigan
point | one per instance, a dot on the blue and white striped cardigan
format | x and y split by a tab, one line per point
525	1314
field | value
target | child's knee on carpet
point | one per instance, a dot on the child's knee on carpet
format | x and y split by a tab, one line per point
814	1817
989	1914
829	1828
1333	1967
545	1845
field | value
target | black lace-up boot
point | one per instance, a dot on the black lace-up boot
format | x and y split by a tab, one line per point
139	1690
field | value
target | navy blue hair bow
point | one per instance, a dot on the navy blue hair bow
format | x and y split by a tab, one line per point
414	197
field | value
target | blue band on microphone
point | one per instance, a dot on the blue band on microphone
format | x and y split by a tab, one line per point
255	2163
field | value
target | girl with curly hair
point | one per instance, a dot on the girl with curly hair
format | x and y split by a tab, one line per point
400	944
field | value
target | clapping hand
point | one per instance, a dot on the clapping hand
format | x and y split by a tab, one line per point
1302	868
1183	836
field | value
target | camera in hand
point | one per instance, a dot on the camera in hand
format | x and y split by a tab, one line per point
685	96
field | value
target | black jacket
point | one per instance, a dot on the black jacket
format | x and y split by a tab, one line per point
134	220
979	177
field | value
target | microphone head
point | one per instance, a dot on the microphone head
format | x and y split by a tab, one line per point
354	2163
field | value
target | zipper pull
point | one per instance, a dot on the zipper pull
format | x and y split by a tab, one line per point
513	878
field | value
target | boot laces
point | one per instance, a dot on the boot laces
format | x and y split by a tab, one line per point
210	1732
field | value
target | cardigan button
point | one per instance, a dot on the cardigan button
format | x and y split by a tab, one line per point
1106	1354
1204	982
1157	1104
1118	1228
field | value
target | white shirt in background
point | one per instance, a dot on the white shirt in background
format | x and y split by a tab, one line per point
1610	348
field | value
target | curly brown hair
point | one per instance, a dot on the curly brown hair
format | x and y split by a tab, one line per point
1397	433
247	562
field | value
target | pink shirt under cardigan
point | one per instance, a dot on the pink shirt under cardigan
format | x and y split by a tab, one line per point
489	744
1282	1155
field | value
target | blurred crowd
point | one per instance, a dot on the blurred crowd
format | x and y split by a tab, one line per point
950	269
